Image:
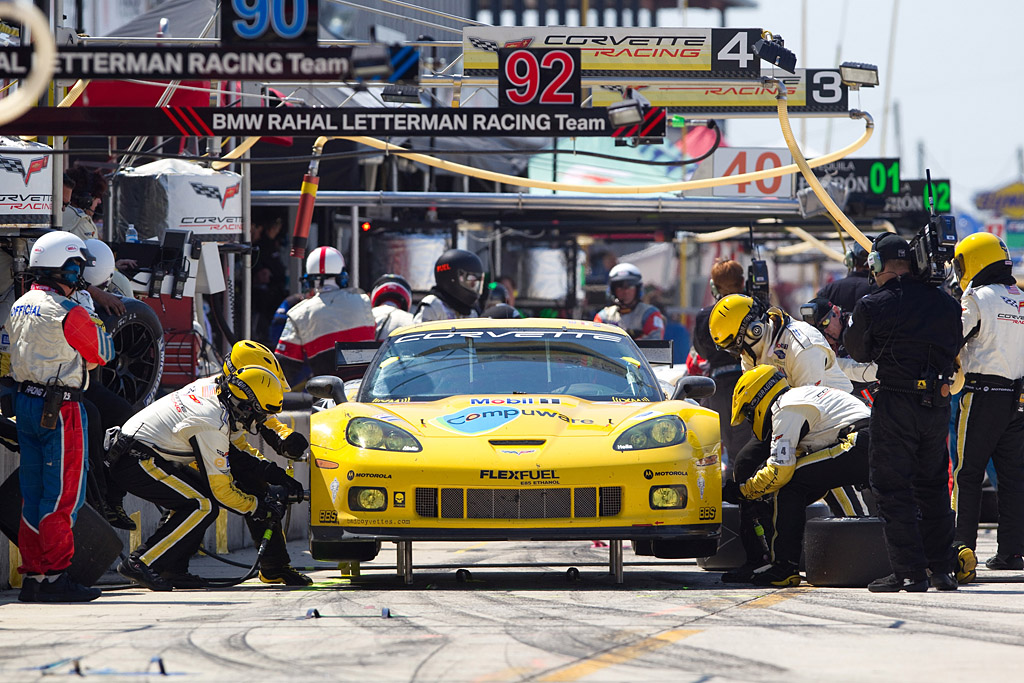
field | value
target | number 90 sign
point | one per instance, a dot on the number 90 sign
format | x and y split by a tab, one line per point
269	22
538	76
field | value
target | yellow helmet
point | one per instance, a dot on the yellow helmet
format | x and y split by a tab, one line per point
753	396
736	322
976	252
248	352
251	393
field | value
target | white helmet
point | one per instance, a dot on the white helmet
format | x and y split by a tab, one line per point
99	272
51	255
324	262
628	275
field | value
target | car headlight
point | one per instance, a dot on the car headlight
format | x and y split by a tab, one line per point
365	432
667	430
367	498
668	497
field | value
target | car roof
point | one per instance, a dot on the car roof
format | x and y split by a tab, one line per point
511	324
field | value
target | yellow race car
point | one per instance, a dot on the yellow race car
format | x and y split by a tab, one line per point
484	429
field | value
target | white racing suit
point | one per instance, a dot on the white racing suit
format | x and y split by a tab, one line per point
389	318
643	321
833	453
188	426
989	418
432	307
800	352
315	324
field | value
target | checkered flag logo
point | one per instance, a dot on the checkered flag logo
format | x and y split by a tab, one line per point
484	44
207	191
12	166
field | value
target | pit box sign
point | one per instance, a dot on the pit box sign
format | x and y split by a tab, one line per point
730	161
878	177
624	52
809	91
437	122
533	76
912	202
395	64
270	22
26	184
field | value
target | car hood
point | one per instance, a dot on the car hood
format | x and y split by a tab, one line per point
511	417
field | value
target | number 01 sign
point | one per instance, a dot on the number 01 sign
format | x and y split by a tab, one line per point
535	76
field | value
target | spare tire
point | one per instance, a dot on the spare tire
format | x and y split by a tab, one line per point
845	551
97	545
135	372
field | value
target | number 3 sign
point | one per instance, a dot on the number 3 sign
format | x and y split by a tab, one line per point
531	76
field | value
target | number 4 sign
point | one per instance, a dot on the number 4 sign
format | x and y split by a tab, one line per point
736	161
532	76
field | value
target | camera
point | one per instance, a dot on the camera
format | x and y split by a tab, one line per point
757	280
931	250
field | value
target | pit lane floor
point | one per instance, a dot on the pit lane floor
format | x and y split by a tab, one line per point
670	622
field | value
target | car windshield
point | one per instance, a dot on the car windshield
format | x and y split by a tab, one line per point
425	366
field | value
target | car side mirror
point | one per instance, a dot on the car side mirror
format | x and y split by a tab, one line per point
327	386
692	387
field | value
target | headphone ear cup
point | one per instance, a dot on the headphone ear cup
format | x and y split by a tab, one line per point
756	329
875	262
848	260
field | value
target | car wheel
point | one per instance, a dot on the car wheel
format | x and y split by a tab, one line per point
643	547
845	551
730	553
97	545
135	372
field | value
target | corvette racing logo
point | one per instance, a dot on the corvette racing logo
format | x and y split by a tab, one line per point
15	165
214	192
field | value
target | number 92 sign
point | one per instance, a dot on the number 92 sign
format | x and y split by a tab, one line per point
269	22
539	76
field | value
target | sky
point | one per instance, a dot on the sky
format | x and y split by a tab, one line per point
957	75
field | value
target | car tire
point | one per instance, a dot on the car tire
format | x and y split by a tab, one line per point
643	547
845	551
97	545
684	548
135	372
730	553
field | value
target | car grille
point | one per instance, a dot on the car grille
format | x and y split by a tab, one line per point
525	503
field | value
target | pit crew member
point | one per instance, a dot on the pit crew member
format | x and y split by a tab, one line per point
640	319
458	282
391	297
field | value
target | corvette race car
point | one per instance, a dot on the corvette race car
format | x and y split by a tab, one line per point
484	429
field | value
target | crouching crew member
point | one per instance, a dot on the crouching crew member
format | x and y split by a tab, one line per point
912	331
819	441
990	420
151	457
54	344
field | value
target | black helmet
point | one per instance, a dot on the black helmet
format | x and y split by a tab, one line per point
496	294
460	275
393	288
500	310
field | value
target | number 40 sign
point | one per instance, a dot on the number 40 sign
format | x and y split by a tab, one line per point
732	161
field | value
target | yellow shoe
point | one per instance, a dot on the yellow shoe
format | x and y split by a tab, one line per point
966	564
285	575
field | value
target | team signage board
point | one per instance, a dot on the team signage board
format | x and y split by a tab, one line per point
1006	201
396	64
878	177
437	122
292	22
913	200
811	91
730	161
548	76
652	52
26	184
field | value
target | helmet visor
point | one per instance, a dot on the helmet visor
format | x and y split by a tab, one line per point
474	282
958	267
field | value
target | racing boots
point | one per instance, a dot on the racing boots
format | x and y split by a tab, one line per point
139	572
118	518
966	564
183	580
61	589
286	575
891	584
1003	562
778	575
943	581
744	573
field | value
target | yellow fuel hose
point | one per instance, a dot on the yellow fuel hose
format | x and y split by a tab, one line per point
805	168
471	171
44	59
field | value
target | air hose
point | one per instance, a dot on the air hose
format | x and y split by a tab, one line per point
805	168
227	583
307	200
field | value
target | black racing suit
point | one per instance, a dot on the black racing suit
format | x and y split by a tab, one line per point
845	293
912	331
725	369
